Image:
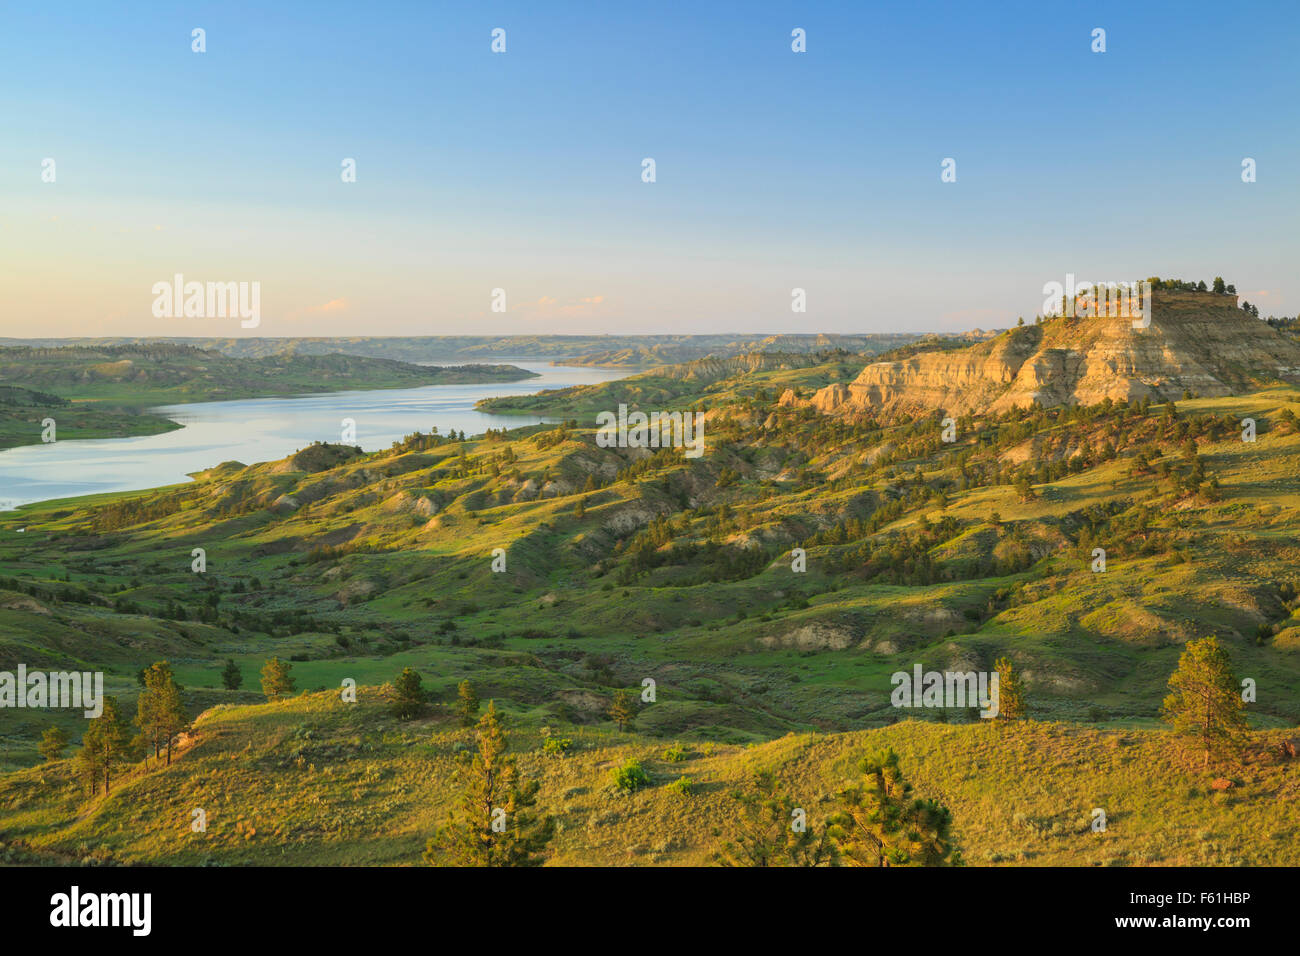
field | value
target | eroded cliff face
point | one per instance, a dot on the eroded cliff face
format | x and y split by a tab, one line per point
1197	341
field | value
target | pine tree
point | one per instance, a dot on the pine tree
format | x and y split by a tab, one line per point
883	824
621	710
52	743
108	740
276	682
1206	701
467	703
160	710
765	834
1011	691
173	718
494	825
232	677
409	689
145	718
86	763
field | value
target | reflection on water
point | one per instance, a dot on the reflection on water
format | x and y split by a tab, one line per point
263	429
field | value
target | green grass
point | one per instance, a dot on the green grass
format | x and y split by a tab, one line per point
23	426
316	781
384	560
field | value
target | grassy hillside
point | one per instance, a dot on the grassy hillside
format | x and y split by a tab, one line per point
22	412
681	567
317	781
624	565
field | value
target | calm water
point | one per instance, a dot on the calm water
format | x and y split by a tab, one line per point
264	429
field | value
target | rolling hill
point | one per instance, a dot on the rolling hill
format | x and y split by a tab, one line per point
554	573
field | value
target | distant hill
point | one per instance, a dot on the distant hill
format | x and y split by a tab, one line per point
162	373
111	386
689	348
686	383
621	351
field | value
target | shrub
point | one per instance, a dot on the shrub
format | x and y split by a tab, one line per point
683	787
631	776
556	746
676	753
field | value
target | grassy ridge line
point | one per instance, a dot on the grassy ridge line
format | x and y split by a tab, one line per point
316	781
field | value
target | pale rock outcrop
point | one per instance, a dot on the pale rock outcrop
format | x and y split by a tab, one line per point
1196	341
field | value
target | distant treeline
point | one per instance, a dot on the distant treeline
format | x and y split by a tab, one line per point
13	395
150	350
1187	285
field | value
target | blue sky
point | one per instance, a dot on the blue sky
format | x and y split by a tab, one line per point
521	170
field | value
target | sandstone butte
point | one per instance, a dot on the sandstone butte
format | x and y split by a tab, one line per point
1197	341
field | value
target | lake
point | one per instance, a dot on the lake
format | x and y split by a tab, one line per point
265	429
